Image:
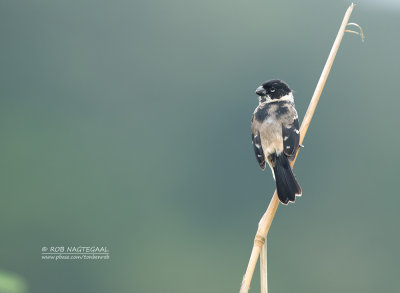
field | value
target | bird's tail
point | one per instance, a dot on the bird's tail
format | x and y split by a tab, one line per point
286	183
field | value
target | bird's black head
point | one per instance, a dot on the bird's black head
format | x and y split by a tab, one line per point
274	89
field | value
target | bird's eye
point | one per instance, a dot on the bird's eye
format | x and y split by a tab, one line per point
272	90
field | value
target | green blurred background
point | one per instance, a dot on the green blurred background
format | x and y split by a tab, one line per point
126	124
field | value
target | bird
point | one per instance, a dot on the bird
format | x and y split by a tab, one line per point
275	136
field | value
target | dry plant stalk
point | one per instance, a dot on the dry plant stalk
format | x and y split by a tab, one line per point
263	269
266	220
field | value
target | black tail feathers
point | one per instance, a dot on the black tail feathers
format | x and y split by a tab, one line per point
286	183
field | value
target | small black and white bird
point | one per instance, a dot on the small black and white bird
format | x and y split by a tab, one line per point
275	134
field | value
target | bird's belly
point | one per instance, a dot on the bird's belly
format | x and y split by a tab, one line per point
271	138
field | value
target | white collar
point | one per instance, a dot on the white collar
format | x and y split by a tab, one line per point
289	97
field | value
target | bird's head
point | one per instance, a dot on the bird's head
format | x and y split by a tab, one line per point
273	89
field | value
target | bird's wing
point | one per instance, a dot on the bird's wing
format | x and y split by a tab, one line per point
291	137
258	149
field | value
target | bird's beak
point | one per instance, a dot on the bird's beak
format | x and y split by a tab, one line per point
261	91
